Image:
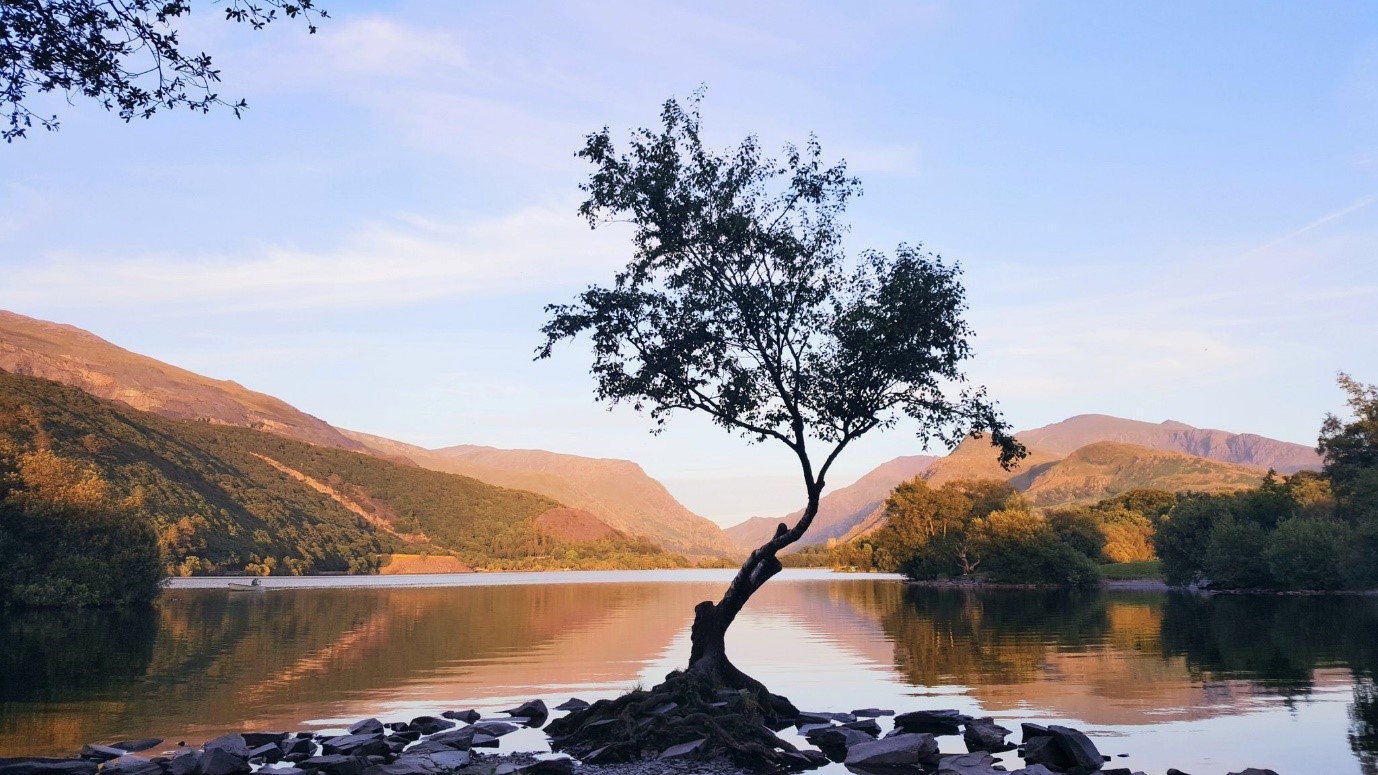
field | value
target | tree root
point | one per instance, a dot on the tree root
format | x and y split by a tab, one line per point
732	723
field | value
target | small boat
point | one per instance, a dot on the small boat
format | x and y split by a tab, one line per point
247	587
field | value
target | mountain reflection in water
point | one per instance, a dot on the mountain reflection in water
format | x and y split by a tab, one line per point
1218	683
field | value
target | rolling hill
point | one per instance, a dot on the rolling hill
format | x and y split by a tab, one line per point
839	510
223	497
617	492
1106	469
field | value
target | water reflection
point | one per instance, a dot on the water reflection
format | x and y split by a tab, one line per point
1162	669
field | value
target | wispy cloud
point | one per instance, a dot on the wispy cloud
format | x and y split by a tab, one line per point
407	259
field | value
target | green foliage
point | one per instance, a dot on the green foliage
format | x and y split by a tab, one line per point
1350	451
64	541
1020	547
226	498
1079	529
1234	556
1311	553
1183	535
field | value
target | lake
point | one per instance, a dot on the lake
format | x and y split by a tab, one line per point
1205	684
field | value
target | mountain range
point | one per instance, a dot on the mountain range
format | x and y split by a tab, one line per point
1083	458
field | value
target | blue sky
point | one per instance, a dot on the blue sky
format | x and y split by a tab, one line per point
1164	211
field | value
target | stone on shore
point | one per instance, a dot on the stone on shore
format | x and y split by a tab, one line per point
1254	771
494	728
1034	769
269	753
1030	731
369	726
183	763
355	745
865	726
872	712
933	722
297	745
100	753
897	751
256	739
1046	751
132	765
983	734
560	766
573	703
46	766
231	744
429	725
1078	747
534	711
221	761
337	765
980	763
467	716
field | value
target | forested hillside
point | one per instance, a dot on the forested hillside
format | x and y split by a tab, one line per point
229	498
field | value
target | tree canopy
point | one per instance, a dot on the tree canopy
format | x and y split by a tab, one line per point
127	55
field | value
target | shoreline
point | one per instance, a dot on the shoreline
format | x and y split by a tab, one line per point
503	578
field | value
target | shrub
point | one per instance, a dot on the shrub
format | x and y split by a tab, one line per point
1079	529
1310	553
1234	556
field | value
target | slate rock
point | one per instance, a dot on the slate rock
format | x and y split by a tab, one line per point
867	726
183	763
268	752
1175	771
835	742
1033	769
255	739
33	765
983	734
494	728
283	771
355	745
979	763
297	745
429	725
337	764
368	726
132	765
1254	771
573	703
467	716
221	761
897	751
559	766
406	735
806	729
134	746
1046	750
100	753
455	739
231	744
440	761
1078	747
934	722
534	710
872	712
1030	731
426	747
806	717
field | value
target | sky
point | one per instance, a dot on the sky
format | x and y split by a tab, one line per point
1163	210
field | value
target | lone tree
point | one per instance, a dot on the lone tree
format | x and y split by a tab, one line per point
740	302
125	54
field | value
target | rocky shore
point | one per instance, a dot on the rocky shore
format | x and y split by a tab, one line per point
460	742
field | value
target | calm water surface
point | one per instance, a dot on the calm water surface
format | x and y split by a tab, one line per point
1208	685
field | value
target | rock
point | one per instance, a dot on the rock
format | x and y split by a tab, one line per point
573	703
897	751
134	746
983	734
1078	747
1045	750
337	765
232	744
46	766
255	739
867	726
407	736
369	726
429	725
811	727
494	728
836	741
1254	771
355	745
282	771
183	763
1175	771
872	712
805	717
1030	731
534	710
297	745
934	722
467	716
980	763
132	765
560	766
268	752
100	753
440	761
221	761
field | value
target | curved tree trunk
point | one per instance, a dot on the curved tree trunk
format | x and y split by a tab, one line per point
708	648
